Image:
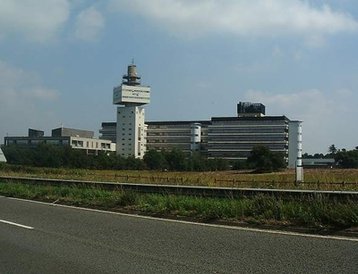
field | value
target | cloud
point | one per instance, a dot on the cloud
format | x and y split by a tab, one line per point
89	23
36	20
325	115
17	84
24	102
241	17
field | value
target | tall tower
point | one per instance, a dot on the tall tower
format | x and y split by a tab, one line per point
131	96
295	149
299	168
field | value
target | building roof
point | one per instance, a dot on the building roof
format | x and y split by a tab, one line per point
249	118
109	124
205	122
73	132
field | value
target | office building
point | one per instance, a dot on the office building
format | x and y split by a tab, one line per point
234	137
75	138
229	138
188	136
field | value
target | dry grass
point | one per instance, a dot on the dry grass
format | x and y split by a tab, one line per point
326	179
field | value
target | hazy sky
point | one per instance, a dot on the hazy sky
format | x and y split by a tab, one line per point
60	59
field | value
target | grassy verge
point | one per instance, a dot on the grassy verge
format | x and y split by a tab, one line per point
316	214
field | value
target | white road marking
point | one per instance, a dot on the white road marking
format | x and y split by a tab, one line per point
267	231
16	224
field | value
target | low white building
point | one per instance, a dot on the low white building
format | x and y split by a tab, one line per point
75	138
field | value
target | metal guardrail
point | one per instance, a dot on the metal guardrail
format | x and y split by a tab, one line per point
226	192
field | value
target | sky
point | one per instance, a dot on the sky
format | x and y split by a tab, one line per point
60	59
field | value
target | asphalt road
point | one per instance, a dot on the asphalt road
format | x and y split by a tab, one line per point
41	238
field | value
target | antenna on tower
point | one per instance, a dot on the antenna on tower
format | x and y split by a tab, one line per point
132	78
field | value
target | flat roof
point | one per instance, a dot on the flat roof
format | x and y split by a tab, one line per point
263	118
206	122
109	124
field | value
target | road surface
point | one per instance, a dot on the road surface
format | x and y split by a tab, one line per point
42	238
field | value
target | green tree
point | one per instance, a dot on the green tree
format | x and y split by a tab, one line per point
239	164
175	159
263	160
48	155
278	161
332	149
218	164
347	159
154	160
197	162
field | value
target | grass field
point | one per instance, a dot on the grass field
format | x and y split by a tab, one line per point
324	179
315	215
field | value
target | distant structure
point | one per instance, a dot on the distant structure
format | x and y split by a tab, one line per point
108	131
34	133
75	138
318	162
131	96
248	109
2	156
230	138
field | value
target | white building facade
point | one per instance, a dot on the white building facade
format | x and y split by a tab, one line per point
75	138
2	156
131	133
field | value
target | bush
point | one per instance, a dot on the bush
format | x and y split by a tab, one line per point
263	160
347	159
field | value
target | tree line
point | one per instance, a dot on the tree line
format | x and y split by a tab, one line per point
343	158
46	155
